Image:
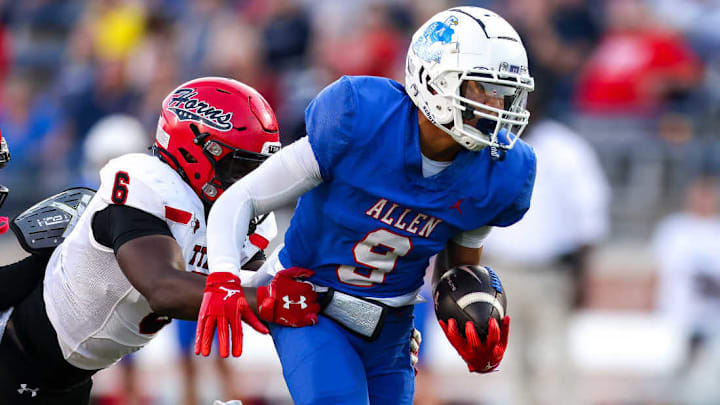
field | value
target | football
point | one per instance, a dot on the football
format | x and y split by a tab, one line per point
470	293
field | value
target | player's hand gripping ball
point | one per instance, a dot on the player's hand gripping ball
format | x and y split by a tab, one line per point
471	306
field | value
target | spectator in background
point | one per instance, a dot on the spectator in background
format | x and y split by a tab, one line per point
687	247
32	125
544	258
286	42
559	34
697	19
148	67
109	92
639	66
373	48
116	27
286	37
96	83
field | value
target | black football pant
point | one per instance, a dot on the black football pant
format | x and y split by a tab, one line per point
32	368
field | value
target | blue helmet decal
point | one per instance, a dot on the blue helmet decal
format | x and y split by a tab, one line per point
429	45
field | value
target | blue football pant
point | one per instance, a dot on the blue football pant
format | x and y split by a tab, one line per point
326	364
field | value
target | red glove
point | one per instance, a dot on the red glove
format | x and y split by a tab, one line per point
4	225
224	303
480	357
287	301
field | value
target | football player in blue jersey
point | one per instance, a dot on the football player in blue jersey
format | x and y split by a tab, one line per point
387	177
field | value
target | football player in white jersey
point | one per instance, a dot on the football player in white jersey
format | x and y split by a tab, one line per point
136	257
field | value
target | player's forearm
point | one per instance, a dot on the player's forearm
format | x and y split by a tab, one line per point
180	296
454	255
279	181
227	226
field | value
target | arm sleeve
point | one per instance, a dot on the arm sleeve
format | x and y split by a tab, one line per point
473	239
280	180
118	224
329	120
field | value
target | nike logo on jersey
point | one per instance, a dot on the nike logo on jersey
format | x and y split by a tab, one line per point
457	205
405	219
230	292
300	302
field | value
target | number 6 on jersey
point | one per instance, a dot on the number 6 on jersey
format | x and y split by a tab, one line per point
379	250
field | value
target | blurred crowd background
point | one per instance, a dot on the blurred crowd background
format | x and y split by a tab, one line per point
613	279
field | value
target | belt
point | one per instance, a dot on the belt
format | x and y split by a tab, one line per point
361	316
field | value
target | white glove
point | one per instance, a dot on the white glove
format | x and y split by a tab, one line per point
233	402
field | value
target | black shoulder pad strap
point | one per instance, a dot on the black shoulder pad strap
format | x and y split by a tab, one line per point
42	227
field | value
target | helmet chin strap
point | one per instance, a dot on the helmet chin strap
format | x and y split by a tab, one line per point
487	126
497	154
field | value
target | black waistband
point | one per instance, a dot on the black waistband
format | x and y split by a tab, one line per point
38	342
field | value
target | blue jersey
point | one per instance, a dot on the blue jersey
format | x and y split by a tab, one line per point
371	227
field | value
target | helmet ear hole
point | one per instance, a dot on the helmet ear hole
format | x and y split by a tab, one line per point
187	156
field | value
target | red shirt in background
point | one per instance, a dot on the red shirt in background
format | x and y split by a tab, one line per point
632	72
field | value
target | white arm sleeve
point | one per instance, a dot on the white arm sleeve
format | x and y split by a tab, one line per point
280	180
474	238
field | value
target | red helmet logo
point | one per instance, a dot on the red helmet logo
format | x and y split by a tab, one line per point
187	107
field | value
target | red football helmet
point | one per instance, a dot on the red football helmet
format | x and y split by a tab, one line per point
213	131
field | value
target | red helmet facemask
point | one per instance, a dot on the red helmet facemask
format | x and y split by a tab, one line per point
214	131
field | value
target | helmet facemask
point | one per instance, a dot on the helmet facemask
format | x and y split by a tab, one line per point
236	165
229	164
488	109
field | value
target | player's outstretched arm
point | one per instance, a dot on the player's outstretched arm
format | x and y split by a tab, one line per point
155	266
279	181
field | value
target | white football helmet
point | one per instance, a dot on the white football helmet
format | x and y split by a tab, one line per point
467	70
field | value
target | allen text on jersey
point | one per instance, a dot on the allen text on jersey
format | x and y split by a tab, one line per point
405	219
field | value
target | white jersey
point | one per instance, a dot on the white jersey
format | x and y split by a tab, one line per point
98	315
